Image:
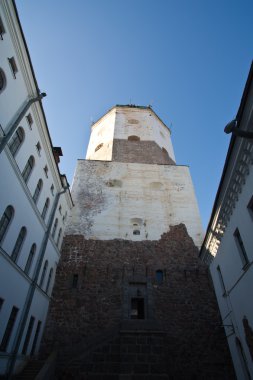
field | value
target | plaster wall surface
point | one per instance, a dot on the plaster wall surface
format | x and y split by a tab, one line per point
102	133
114	199
236	277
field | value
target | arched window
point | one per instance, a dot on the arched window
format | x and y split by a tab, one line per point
159	276
45	209
28	168
49	279
2	80
16	140
59	237
18	244
54	227
133	138
37	191
242	358
99	147
5	221
30	258
43	273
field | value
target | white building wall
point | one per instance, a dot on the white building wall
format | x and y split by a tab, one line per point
238	280
14	282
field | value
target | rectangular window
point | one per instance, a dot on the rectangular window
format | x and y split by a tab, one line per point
29	120
137	308
28	335
13	66
250	207
9	329
75	281
35	339
38	147
2	29
221	281
52	189
46	171
241	248
60	209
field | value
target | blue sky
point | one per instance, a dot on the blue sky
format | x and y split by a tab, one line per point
189	59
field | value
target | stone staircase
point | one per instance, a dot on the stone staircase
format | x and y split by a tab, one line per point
132	355
31	370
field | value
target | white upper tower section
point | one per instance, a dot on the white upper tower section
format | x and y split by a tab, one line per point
130	123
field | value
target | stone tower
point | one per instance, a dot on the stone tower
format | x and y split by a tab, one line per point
133	188
132	300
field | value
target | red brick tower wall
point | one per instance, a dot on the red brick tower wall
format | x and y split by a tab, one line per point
94	306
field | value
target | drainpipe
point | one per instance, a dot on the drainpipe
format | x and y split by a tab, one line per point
20	114
32	288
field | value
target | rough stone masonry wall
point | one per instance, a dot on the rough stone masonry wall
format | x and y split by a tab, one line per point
144	152
184	305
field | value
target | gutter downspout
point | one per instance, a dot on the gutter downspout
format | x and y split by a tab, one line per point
32	288
21	113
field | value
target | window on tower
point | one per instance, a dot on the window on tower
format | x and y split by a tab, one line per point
133	138
99	147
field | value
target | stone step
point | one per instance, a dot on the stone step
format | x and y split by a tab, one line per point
30	371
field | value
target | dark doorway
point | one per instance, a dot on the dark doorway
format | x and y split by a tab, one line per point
137	308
